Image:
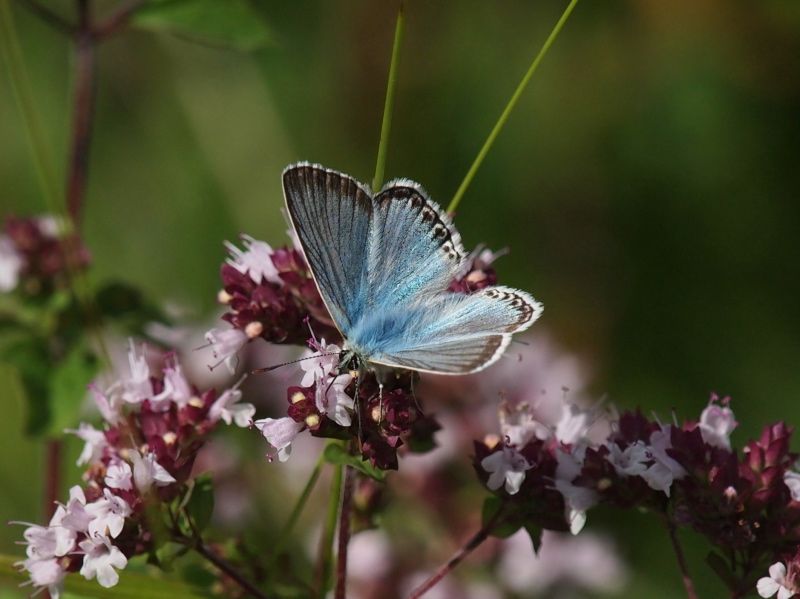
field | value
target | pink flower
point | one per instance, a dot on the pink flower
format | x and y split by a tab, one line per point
280	433
255	260
717	424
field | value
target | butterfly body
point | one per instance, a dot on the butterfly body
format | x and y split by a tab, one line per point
383	263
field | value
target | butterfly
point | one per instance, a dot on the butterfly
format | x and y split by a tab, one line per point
383	262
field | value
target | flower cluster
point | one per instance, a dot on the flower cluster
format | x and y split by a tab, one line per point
270	294
141	459
746	505
36	256
339	406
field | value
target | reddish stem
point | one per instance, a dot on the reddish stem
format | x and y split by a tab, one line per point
676	546
83	103
117	20
471	545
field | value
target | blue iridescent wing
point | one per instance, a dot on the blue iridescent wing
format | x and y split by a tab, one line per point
332	215
415	251
451	333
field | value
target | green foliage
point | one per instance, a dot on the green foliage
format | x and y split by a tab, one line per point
131	585
230	23
199	502
67	390
510	521
128	308
335	453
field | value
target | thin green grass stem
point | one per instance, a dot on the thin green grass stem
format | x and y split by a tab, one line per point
326	548
388	107
298	509
509	107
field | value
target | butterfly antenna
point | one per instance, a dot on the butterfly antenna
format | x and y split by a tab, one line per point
276	366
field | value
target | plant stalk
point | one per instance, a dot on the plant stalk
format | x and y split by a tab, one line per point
509	107
388	107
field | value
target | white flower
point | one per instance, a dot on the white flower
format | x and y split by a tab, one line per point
573	424
95	443
100	560
716	425
255	260
136	388
631	461
76	518
792	480
147	471
507	465
45	573
280	433
331	400
109	408
119	475
665	469
776	583
108	515
228	408
320	364
44	542
10	264
576	498
225	346
518	426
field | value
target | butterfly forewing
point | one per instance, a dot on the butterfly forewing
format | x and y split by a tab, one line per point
415	251
332	215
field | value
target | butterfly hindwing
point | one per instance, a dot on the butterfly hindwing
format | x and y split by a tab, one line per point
332	215
456	333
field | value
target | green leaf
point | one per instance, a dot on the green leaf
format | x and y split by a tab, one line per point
125	306
200	504
336	454
507	527
228	23
721	568
535	533
30	357
130	586
68	388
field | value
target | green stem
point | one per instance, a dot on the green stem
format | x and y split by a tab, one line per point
386	125
326	546
298	509
509	107
34	128
345	516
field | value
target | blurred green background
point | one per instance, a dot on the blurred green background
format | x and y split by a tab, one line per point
647	183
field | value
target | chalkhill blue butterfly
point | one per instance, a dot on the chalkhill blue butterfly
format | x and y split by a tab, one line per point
383	262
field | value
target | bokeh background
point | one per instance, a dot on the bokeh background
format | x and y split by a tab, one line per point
647	184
